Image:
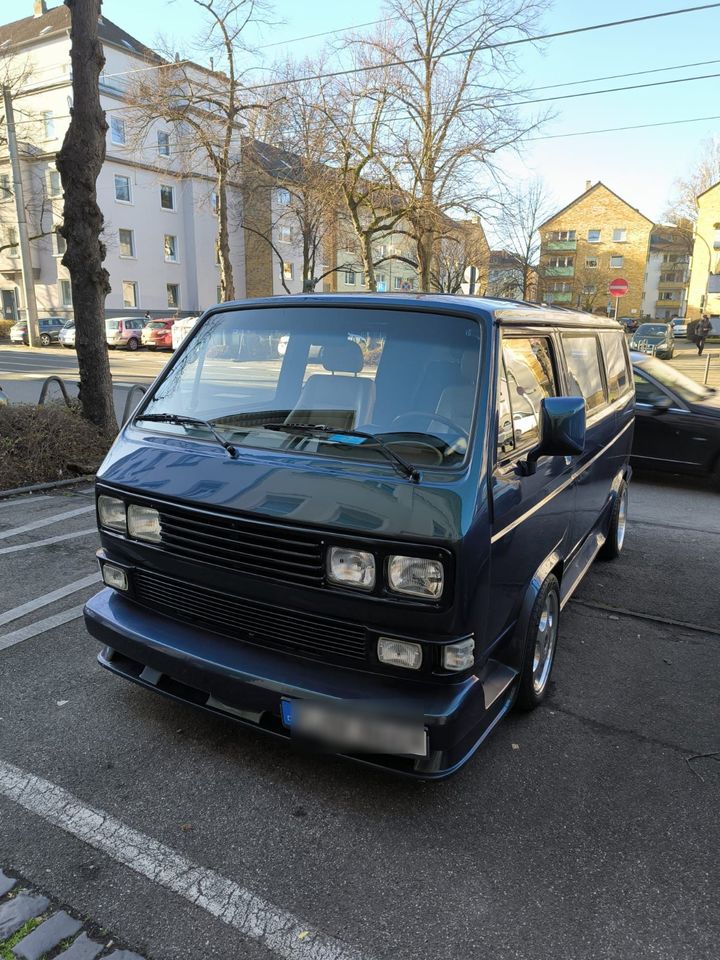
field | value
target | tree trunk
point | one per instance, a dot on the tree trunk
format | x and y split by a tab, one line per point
366	251
79	162
227	282
425	248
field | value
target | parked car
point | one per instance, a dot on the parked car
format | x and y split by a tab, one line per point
124	332
49	328
67	335
654	339
677	421
368	554
630	324
679	325
180	329
157	334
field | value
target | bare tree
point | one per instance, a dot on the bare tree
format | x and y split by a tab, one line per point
705	174
452	97
206	107
523	208
79	162
463	247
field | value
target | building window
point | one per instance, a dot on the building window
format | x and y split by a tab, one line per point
560	286
287	270
282	196
173	295
117	131
54	184
12	249
5	187
616	263
167	197
49	125
59	242
349	278
171	248
127	243
593	236
163	142
561	261
589	289
122	189
284	234
620	236
66	293
591	263
130	293
562	235
667	295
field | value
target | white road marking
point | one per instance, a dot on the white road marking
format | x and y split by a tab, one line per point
40	626
19	500
48	598
48	541
46	521
255	918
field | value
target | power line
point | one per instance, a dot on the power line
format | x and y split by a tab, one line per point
634	126
325	33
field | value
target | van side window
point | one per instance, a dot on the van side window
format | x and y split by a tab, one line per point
583	363
616	364
530	378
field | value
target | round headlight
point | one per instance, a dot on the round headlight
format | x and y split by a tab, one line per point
416	576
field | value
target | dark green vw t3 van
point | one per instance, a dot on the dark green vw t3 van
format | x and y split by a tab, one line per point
354	521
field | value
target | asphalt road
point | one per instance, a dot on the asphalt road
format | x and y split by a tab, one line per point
587	830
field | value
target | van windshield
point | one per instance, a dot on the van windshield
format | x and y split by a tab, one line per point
264	377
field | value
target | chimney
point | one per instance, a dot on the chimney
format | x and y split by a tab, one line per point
588	184
39	8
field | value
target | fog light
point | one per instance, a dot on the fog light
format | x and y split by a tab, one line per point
111	512
114	577
399	653
416	576
352	568
459	656
143	523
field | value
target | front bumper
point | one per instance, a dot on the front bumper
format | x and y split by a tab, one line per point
247	683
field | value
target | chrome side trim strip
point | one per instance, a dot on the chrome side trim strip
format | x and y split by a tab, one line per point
599	541
566	483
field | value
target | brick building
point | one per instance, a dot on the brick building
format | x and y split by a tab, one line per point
595	239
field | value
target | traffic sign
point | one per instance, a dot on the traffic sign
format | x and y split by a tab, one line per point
618	287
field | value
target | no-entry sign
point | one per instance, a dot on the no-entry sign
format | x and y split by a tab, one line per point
619	287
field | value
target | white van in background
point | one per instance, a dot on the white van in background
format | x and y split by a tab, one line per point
181	328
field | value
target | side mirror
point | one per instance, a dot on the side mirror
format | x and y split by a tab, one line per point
662	405
562	430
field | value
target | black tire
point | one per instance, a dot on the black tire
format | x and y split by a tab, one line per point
612	548
535	673
132	343
44	340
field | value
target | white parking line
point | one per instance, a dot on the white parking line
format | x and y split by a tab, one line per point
48	598
48	541
255	918
19	500
40	626
46	521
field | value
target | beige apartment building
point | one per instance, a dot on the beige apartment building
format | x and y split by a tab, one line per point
667	273
596	238
704	292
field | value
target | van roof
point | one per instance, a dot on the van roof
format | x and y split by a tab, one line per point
504	312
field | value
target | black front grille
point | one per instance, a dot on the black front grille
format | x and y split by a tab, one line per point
246	546
247	620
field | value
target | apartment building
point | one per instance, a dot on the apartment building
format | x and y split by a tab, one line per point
667	273
594	239
704	290
160	224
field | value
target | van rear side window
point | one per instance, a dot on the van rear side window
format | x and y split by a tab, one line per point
616	364
583	362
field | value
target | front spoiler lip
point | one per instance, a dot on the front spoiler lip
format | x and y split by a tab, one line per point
109	618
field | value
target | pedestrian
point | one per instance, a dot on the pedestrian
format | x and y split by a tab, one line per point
701	332
147	316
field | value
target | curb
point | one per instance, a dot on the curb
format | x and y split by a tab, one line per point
36	487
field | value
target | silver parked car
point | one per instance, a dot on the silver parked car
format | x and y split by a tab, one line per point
124	332
67	335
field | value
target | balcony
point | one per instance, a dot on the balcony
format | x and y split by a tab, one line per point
556	296
559	271
672	284
561	245
668	304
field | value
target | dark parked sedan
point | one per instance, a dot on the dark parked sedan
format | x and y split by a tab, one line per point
655	339
677	421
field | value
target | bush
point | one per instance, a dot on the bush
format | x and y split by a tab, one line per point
42	444
5	327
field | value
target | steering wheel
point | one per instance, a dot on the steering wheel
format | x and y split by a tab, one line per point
430	417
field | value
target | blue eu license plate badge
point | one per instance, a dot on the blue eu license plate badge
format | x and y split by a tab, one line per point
286	712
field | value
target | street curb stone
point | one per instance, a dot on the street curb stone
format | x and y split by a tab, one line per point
82	949
47	936
124	955
18	911
6	884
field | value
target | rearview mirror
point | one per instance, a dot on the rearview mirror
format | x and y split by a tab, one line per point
662	405
562	430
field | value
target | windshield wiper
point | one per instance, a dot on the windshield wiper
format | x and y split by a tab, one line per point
182	421
407	468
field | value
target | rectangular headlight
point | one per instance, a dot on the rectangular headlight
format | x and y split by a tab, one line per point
416	576
399	653
459	656
143	523
111	512
114	577
352	568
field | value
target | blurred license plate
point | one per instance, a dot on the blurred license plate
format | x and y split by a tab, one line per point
359	731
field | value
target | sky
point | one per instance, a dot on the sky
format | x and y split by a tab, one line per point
640	165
